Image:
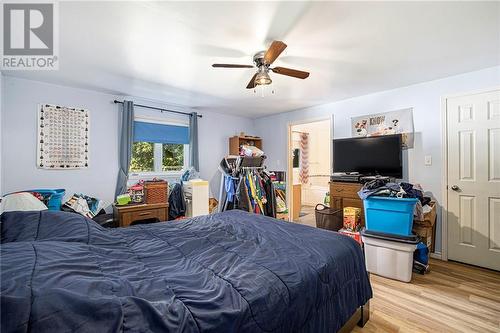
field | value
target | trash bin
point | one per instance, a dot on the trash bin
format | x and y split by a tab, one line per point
328	218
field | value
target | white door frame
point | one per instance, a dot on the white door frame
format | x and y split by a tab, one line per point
444	154
289	158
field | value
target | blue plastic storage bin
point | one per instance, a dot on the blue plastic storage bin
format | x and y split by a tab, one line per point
56	197
389	215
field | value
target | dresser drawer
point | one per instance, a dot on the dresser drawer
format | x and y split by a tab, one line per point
145	214
127	215
345	190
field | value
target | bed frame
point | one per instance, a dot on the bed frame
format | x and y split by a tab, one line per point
360	317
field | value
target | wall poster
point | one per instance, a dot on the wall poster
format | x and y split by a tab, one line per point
63	137
386	123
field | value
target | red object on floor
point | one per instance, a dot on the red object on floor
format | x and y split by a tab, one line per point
353	234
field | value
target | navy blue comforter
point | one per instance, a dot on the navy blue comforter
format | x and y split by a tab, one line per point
228	272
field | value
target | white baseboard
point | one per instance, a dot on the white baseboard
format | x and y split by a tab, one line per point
436	255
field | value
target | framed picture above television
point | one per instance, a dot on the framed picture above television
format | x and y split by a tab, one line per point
387	123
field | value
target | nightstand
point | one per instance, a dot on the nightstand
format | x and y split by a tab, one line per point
126	215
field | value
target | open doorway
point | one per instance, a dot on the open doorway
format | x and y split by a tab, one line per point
309	168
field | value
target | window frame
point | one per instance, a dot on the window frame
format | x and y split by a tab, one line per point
158	152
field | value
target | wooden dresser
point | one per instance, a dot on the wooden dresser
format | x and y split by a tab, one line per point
346	195
126	215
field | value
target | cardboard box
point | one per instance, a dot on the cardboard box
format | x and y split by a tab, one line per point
353	234
352	218
429	218
426	235
426	228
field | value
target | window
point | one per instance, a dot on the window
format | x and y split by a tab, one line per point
159	148
158	157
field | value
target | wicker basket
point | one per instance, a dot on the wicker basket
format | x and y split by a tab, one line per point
328	218
156	192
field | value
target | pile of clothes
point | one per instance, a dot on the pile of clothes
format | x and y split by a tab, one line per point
84	205
383	188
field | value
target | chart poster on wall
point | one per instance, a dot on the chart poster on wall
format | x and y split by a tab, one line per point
63	137
386	123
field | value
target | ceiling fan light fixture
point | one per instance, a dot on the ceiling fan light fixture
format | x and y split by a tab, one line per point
263	78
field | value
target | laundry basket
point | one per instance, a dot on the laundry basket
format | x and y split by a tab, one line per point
328	218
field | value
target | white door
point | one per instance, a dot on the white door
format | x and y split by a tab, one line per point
474	179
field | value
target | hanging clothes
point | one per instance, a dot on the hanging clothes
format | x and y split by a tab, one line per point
248	188
176	203
243	199
230	188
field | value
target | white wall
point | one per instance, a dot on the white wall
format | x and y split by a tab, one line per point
18	133
425	98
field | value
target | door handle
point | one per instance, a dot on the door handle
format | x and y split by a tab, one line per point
455	188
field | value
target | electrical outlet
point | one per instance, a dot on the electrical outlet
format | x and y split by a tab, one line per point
428	160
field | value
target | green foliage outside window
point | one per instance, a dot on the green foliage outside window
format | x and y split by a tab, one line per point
142	157
173	157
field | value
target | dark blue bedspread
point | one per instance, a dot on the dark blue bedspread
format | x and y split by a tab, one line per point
228	272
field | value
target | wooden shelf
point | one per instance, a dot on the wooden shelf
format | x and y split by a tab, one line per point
236	141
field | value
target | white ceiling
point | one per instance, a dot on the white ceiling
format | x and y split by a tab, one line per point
164	50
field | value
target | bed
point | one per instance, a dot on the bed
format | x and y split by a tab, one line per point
226	272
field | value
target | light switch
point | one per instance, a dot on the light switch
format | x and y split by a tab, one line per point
428	160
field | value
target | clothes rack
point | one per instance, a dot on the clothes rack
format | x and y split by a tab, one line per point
246	185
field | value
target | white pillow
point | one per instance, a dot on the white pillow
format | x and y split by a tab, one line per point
23	201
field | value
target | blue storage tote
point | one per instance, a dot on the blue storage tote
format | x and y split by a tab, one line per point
389	215
56	197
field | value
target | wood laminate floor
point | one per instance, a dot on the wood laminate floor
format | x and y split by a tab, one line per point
452	298
307	216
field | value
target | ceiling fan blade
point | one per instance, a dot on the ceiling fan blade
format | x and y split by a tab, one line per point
274	51
290	72
252	84
232	66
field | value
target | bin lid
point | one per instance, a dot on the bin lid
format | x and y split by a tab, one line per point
414	239
377	197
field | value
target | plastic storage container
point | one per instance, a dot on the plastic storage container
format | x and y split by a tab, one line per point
389	256
328	218
56	196
389	215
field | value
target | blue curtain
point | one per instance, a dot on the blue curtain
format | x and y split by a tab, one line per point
193	141
160	133
126	141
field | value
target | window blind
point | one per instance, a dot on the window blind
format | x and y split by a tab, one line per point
160	133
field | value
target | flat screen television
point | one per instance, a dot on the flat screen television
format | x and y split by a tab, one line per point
376	155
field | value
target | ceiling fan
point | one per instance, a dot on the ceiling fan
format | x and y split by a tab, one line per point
263	61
